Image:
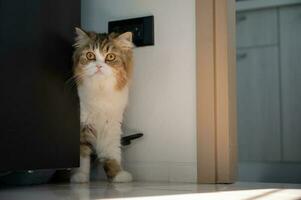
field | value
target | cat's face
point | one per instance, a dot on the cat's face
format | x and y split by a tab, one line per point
103	57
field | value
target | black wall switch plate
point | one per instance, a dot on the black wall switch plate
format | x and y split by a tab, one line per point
142	29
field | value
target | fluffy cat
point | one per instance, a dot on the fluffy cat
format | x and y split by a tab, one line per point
102	70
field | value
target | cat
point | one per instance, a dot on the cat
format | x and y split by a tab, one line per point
102	70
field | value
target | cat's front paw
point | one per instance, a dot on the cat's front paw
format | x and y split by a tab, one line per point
122	177
79	178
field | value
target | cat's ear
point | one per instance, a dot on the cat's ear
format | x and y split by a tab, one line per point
128	36
126	40
82	37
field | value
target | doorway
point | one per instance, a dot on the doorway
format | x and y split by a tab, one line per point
260	97
269	97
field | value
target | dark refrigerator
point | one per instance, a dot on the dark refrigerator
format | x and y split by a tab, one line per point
39	109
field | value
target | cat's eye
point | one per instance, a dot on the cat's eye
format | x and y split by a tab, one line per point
90	56
110	57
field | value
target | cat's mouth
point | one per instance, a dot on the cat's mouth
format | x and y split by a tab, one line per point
95	73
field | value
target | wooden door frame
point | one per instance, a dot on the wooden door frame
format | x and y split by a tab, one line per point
216	91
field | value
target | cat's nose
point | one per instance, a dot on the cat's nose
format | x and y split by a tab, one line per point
98	66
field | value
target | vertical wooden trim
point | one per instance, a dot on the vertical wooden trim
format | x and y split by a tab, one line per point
225	67
205	92
216	91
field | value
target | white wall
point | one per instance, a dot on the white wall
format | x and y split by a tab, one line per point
163	95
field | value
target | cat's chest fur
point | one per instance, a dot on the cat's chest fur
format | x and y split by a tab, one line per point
101	103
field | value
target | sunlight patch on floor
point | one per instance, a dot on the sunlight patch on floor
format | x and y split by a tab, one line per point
258	194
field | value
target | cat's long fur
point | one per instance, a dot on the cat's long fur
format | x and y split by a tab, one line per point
103	87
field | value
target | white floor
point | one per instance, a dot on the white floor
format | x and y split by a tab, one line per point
156	191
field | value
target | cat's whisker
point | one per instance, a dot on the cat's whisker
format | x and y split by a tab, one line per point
73	80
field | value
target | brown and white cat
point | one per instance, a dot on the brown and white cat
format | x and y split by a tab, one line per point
102	70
